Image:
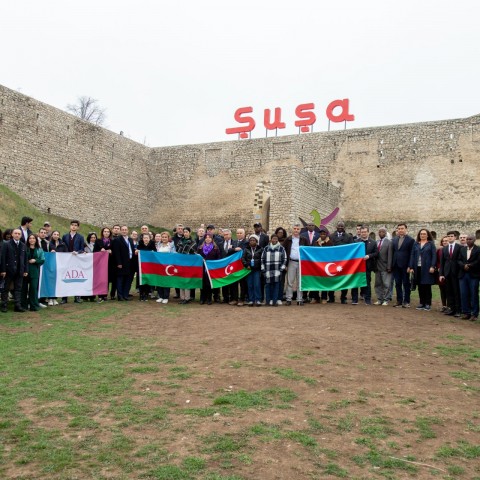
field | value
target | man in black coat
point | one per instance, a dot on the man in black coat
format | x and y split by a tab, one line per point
371	254
341	237
469	277
402	245
13	268
123	252
25	228
449	273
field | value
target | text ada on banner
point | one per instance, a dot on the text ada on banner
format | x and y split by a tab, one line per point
73	275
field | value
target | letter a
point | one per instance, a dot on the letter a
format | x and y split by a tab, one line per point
344	116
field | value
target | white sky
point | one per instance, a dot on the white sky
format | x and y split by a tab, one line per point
174	73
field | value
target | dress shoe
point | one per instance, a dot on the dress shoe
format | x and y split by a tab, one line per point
466	316
209	302
449	313
120	299
64	301
397	305
473	319
288	303
4	309
343	301
202	302
19	309
78	300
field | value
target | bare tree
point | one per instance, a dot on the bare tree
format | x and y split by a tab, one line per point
87	108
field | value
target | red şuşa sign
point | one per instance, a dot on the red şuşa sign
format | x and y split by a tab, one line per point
304	112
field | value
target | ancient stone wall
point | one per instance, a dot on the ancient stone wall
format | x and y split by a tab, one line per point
69	166
424	173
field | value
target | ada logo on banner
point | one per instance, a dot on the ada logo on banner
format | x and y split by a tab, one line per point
74	274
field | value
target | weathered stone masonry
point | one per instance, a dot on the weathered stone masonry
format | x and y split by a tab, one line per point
425	174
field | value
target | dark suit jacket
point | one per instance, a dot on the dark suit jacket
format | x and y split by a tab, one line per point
121	255
428	255
401	255
372	251
78	242
316	236
10	263
473	262
22	238
343	239
449	265
226	253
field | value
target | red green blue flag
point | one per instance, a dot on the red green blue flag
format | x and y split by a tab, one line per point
171	270
333	268
226	270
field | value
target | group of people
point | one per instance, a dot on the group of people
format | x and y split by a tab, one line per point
398	262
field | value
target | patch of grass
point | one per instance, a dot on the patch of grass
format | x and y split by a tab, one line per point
416	346
335	470
217	443
346	423
460	350
382	460
463	375
317	426
463	449
180	373
455	470
338	404
377	427
424	425
290	374
407	401
258	399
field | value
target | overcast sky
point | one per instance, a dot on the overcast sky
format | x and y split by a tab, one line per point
172	73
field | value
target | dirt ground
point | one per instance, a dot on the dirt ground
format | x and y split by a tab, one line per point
351	363
379	392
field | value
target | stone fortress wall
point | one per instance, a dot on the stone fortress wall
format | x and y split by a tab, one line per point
426	174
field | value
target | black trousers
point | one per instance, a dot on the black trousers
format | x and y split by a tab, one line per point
453	293
17	281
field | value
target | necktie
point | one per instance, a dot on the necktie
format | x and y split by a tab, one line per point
380	243
451	251
311	237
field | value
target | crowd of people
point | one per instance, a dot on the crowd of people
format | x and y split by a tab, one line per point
398	262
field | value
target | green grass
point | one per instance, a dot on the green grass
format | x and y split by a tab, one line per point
257	399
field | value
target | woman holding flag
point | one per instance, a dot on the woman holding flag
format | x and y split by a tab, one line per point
187	246
209	251
163	246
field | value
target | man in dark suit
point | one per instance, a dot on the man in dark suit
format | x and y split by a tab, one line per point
123	252
449	274
229	247
262	237
312	237
469	277
341	237
402	245
25	228
76	244
383	271
371	254
13	268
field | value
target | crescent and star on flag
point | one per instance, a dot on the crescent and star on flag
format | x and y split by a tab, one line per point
337	269
175	270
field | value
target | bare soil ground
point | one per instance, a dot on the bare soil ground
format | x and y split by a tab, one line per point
376	392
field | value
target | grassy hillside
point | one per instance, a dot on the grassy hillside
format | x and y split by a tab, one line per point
13	208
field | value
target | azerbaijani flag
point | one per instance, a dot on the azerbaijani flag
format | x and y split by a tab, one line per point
69	274
226	270
333	268
171	270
